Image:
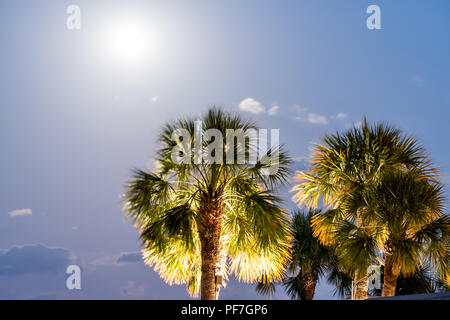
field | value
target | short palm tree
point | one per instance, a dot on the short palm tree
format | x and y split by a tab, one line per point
344	165
310	260
409	225
202	220
423	280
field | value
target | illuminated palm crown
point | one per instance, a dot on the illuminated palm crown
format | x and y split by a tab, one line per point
166	205
384	197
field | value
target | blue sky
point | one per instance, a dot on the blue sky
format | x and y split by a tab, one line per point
74	119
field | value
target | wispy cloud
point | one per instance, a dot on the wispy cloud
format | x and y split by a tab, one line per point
20	212
299	109
417	80
273	110
303	114
341	116
351	125
155	100
121	259
129	257
102	262
317	119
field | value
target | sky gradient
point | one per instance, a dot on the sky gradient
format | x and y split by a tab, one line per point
74	120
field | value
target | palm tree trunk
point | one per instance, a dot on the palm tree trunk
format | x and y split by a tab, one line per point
221	264
391	273
360	282
361	286
309	282
209	228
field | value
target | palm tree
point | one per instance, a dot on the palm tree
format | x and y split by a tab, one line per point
424	280
344	165
410	226
403	226
310	260
201	220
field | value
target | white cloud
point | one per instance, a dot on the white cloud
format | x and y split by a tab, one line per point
20	212
304	115
252	106
155	100
300	109
317	119
273	110
417	80
341	116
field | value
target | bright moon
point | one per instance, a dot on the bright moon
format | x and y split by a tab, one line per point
130	41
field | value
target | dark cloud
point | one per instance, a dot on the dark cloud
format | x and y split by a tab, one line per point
34	258
129	257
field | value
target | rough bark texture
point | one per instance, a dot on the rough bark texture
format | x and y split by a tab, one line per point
361	285
308	283
209	229
391	273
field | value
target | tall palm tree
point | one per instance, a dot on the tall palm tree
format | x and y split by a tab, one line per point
344	165
310	260
201	220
